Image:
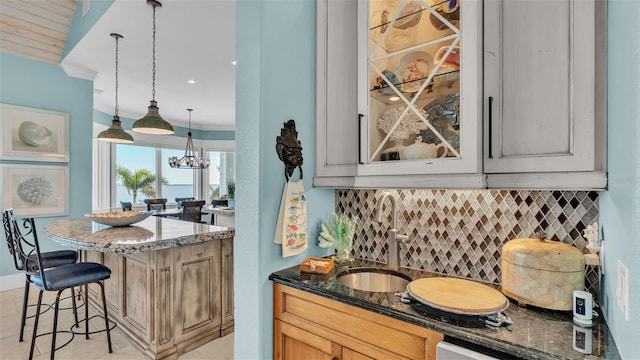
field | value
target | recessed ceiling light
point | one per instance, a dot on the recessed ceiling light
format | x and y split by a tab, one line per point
233	62
394	98
191	81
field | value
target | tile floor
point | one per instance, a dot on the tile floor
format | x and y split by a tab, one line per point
79	348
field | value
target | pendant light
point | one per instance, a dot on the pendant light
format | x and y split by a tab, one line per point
189	160
153	123
115	133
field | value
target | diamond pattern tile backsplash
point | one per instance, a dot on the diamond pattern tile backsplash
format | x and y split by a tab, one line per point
461	232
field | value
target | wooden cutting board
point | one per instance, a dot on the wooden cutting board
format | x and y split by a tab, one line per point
457	295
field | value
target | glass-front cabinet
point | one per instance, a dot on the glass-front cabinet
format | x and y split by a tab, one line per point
419	84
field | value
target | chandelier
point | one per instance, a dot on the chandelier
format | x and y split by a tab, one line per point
189	160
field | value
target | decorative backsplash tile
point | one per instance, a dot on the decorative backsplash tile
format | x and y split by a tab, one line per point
461	232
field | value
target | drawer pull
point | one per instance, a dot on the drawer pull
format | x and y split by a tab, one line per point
490	127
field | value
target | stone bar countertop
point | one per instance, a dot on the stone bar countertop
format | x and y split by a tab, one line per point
535	334
152	233
224	211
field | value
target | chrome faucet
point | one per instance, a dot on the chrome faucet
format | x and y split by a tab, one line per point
393	238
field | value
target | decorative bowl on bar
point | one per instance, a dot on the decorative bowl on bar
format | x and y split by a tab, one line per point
119	218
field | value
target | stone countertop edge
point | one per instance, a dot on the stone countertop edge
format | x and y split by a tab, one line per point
82	234
224	212
483	337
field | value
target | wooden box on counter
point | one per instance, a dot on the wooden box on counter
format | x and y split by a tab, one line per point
316	265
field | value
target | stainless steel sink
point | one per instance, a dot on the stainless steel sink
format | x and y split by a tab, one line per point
374	280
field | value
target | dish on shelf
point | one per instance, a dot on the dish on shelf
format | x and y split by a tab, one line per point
450	10
452	62
383	86
412	67
118	218
409	15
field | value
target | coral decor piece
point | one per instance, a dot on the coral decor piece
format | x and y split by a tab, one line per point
337	232
410	123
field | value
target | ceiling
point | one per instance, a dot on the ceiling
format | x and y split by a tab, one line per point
34	28
195	40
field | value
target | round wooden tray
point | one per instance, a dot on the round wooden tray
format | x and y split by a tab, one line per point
458	296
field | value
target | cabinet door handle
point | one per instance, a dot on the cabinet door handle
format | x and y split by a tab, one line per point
360	116
490	138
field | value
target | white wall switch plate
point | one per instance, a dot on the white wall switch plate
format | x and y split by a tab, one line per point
622	288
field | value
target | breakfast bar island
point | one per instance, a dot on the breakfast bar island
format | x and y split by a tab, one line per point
171	286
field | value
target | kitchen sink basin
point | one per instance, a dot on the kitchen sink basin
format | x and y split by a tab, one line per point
375	280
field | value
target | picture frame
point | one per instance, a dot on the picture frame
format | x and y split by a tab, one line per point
35	190
30	134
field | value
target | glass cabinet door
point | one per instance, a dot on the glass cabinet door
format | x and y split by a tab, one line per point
414	81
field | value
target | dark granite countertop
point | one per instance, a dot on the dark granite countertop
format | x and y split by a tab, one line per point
535	334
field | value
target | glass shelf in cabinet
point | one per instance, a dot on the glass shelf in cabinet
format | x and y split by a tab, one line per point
442	83
385	16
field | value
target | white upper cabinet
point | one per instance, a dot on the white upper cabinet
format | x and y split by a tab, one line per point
460	93
336	91
542	112
420	82
399	93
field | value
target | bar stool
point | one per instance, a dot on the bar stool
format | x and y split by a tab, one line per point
156	204
126	205
192	210
50	259
56	279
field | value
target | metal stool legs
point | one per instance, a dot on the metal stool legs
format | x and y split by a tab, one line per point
55	319
25	304
35	325
106	316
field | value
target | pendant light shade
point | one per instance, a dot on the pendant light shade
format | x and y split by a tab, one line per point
115	133
152	122
189	160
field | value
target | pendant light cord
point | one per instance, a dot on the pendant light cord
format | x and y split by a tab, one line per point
117	105
153	57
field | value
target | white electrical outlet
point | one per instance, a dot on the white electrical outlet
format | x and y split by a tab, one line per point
622	288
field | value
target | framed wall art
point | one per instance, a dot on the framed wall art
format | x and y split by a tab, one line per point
35	190
29	134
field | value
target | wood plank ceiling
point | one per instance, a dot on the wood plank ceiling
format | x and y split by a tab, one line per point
35	29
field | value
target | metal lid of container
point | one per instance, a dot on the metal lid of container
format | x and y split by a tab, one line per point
543	255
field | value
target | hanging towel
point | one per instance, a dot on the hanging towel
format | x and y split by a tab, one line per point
291	229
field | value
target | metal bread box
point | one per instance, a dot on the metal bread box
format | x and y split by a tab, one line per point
542	273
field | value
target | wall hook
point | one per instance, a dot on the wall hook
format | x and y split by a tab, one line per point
289	149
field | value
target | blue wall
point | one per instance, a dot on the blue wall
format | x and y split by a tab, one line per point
620	205
274	83
31	83
81	25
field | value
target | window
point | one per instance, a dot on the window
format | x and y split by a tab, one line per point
135	165
179	182
135	172
221	171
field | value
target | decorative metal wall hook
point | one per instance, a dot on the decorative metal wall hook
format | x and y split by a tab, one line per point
289	149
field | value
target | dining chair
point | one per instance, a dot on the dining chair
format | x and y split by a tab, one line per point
50	259
179	201
126	205
192	210
156	204
56	279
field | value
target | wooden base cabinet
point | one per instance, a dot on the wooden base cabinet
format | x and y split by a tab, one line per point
308	326
168	302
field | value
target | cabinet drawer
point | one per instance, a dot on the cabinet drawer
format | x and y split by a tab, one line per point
345	324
